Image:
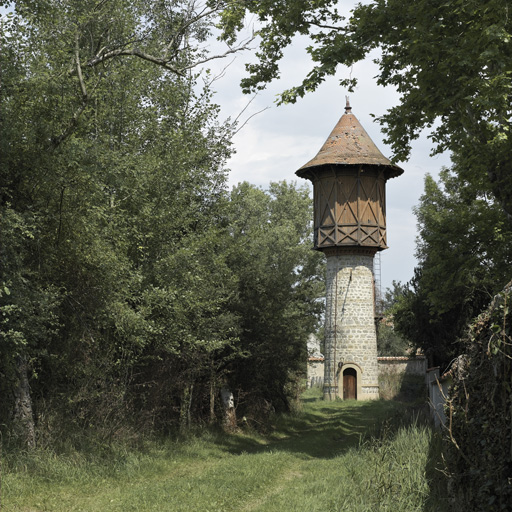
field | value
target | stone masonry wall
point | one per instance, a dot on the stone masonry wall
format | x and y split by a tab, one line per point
401	364
350	324
315	374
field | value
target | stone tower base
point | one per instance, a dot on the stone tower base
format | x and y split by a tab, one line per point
351	369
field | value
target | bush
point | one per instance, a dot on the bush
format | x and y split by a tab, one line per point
479	413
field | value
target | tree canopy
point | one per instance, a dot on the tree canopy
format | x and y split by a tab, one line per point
125	294
464	249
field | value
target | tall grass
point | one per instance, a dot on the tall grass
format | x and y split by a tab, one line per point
331	456
402	386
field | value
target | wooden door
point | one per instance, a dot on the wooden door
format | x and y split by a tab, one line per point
349	384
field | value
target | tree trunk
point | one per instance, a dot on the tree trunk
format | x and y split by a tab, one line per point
23	419
212	399
186	405
228	403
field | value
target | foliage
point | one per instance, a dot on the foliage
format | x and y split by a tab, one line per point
470	228
479	412
119	281
279	285
436	337
463	248
389	342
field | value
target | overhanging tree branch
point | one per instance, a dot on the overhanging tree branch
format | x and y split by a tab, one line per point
79	67
135	52
242	46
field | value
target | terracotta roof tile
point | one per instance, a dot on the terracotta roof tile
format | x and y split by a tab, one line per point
349	144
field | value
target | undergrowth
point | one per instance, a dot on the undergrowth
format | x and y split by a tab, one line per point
479	413
328	456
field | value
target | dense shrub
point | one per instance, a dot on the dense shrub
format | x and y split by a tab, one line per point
480	413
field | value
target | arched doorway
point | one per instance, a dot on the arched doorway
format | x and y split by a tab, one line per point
349	384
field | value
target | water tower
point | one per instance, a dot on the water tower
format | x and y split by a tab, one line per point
349	177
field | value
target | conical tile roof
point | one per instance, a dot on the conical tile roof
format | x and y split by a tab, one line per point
349	144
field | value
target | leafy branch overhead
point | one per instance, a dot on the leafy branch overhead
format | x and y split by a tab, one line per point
167	38
90	40
450	61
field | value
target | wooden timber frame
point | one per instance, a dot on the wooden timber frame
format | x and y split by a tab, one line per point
349	176
349	206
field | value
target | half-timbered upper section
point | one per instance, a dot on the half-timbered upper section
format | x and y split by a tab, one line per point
349	175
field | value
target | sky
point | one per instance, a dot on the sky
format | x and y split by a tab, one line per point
274	143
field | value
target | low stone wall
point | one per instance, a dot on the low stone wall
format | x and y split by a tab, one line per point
402	377
386	365
412	365
315	372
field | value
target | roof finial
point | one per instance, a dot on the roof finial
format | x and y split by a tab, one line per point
348	108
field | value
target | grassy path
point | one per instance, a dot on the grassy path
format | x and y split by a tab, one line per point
353	457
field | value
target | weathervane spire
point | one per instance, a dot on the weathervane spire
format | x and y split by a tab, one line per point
348	108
